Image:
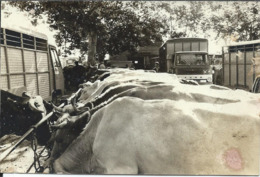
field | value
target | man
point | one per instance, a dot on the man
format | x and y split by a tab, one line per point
79	73
157	67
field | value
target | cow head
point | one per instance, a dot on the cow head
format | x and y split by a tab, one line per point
19	113
88	89
36	104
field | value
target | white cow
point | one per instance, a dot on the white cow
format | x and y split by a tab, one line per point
135	136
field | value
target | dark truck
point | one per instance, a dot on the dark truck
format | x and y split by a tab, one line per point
187	58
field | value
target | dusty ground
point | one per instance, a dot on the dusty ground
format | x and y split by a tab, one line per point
21	158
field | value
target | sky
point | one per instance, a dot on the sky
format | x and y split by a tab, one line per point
18	18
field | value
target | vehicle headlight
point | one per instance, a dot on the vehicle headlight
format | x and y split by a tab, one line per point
209	79
207	71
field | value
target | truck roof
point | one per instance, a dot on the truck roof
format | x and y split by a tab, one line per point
183	40
198	52
186	39
25	31
244	43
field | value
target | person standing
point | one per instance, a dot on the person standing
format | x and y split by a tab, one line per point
79	73
157	67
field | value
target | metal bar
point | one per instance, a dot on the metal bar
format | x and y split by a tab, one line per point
53	66
49	69
237	75
73	95
254	75
28	44
245	66
31	40
24	79
10	150
223	64
8	74
13	36
8	40
36	65
38	42
7	62
41	48
229	68
16	47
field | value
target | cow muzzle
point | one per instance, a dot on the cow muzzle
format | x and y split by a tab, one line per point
36	104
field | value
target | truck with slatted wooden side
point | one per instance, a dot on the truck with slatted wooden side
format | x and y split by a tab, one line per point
241	65
29	63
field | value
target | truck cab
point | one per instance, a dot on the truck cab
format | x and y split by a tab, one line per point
192	65
187	58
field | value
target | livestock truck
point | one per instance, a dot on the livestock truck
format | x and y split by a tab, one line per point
241	64
29	63
187	58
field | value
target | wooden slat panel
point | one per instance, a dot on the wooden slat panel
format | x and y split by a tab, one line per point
31	84
3	61
44	85
16	81
42	62
3	83
15	60
29	61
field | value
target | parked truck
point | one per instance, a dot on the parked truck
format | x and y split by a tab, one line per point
29	63
241	64
187	58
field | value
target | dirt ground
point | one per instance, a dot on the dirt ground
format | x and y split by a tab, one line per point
20	160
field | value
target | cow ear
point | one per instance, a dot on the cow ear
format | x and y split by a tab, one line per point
96	84
27	95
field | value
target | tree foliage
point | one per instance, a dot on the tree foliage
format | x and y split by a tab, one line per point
116	24
239	21
120	25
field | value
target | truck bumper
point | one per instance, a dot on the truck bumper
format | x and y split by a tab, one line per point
201	79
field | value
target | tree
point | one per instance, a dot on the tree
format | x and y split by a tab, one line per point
103	26
237	21
240	23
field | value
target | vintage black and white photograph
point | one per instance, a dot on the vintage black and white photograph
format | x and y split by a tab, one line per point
130	87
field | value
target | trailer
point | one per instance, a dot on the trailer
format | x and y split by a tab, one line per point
187	58
29	63
239	64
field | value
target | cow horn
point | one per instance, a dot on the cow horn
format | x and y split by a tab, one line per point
73	103
87	113
57	108
90	105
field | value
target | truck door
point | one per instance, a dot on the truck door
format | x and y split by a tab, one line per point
58	77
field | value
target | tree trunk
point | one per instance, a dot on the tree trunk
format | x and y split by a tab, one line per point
92	38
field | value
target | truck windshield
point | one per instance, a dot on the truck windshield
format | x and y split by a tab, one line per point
192	59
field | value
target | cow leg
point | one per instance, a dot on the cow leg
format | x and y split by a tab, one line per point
121	169
59	169
121	166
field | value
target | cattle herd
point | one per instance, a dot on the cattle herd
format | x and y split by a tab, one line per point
137	122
